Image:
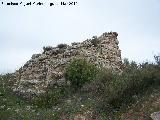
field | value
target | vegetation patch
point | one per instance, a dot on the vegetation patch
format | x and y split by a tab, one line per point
95	41
96	94
47	48
80	72
60	46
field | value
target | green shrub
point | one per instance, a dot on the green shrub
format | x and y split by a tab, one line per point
113	91
48	99
95	41
60	46
135	79
157	59
47	48
79	72
52	97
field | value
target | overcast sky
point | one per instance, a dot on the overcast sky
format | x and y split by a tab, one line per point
25	30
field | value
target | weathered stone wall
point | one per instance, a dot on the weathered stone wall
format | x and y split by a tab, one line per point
48	68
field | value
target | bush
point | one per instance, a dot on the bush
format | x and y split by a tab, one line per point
118	89
60	46
157	59
114	91
80	72
95	41
47	100
47	48
52	97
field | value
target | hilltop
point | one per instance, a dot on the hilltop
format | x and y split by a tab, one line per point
48	68
84	81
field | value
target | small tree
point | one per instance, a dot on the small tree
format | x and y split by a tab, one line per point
79	72
157	59
47	48
95	41
60	46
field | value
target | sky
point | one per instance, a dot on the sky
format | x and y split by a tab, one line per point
24	30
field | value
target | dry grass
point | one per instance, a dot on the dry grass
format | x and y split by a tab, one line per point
143	108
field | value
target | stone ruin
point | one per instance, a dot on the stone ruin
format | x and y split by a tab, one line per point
48	68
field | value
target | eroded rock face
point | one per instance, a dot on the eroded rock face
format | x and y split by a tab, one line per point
48	68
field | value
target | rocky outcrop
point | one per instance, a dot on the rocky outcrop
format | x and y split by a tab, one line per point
48	68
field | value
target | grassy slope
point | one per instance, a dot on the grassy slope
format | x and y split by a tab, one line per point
14	108
142	108
96	100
